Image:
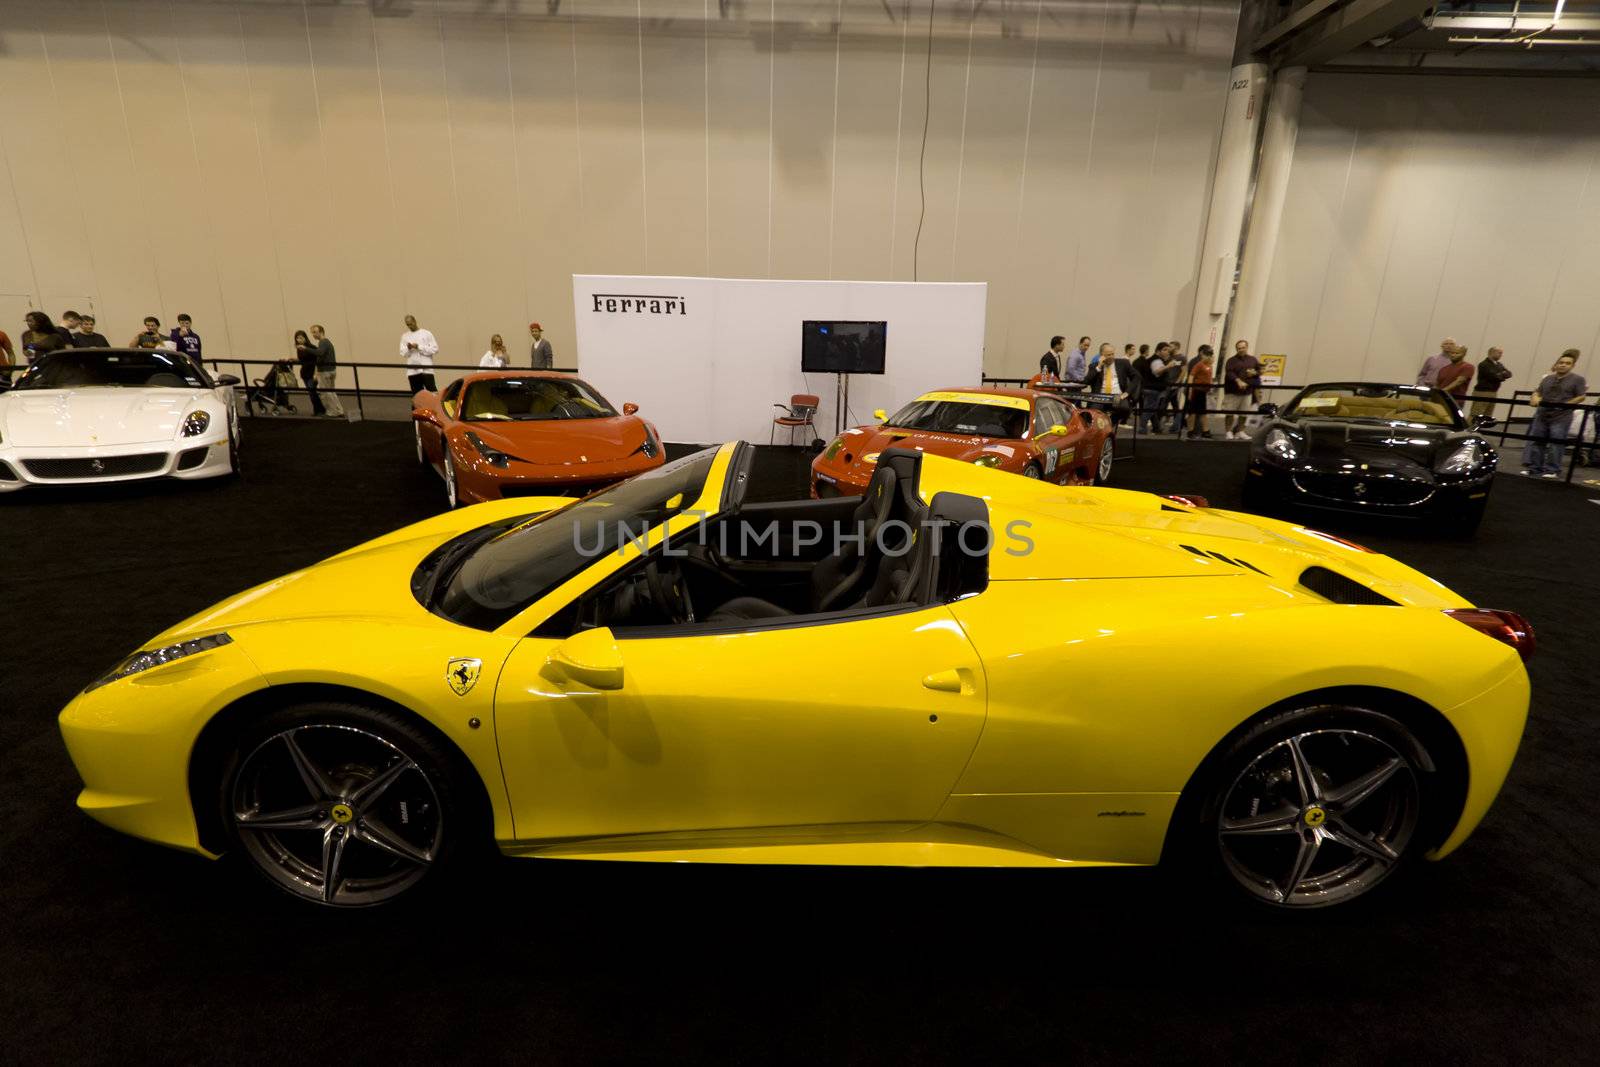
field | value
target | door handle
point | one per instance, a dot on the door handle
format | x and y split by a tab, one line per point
958	680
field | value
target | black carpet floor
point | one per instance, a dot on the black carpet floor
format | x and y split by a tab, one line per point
113	950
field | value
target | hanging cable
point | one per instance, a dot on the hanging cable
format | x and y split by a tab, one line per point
922	156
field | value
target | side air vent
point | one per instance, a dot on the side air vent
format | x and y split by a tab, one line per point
1331	585
1207	554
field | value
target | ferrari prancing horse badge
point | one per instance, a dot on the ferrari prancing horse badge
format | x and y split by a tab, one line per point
462	674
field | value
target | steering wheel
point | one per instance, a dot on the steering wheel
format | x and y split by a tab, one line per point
670	591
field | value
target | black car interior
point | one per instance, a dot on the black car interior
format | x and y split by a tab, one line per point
771	564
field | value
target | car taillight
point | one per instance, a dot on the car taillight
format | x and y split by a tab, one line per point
1506	626
1187	498
1335	538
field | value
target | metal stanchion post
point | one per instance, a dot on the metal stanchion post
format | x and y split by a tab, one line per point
360	408
1577	443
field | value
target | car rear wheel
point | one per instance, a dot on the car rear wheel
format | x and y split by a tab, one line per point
422	453
342	805
1314	807
1108	455
1031	471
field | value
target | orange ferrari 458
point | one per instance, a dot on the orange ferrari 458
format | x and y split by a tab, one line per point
510	433
1025	431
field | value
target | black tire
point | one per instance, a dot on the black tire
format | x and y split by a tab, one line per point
1463	524
1107	458
1254	498
235	463
1248	830
452	492
395	812
1032	471
422	453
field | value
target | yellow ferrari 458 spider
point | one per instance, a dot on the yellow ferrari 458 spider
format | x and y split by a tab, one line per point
958	668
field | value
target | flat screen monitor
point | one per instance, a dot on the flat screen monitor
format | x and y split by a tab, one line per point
842	347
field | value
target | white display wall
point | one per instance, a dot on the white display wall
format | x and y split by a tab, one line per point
706	358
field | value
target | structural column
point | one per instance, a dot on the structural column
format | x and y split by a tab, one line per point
1266	209
1230	191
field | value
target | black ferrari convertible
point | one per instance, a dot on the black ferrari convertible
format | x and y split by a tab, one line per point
1373	448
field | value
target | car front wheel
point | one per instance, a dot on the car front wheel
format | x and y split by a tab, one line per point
1314	807
452	494
341	805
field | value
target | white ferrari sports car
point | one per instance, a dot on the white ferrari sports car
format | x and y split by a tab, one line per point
112	415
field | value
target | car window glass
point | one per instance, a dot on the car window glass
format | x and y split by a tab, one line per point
91	368
533	399
511	570
962	417
448	401
1415	405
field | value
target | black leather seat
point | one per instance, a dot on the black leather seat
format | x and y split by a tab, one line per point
837	577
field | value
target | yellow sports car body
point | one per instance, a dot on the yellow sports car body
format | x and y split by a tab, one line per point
958	668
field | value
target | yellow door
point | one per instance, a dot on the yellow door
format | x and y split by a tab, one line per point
841	720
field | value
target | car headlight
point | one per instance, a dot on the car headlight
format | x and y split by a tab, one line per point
986	461
1463	458
833	448
196	423
493	455
156	657
1281	443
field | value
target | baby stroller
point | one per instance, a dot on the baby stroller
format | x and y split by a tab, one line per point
271	393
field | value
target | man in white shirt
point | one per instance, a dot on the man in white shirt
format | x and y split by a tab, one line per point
417	348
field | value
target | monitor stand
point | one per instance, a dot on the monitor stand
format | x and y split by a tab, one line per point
841	402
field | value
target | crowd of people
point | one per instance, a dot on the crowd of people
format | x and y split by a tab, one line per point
1164	390
314	354
1159	386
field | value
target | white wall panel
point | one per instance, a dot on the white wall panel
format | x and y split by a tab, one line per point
1423	207
266	164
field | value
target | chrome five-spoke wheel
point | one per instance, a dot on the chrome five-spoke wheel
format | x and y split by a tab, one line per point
336	814
1102	473
1319	817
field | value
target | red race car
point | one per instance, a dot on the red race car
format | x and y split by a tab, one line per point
529	433
1025	431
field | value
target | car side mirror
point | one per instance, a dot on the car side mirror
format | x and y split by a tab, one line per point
227	379
424	415
880	414
1058	429
590	657
630	409
1088	419
1484	422
1269	410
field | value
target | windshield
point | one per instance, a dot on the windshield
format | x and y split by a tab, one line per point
509	572
83	368
980	418
525	399
1415	405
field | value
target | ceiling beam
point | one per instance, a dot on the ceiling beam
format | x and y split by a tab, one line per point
1349	27
1297	18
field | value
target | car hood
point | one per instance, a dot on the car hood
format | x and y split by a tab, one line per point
1330	442
96	416
370	583
579	440
865	441
1046	532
